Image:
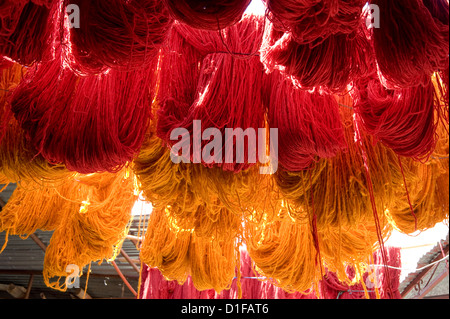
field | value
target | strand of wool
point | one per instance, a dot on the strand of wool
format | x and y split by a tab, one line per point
18	161
309	124
403	119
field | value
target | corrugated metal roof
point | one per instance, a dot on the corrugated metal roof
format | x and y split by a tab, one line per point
426	259
23	257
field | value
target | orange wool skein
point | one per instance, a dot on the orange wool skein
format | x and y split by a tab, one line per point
166	248
96	229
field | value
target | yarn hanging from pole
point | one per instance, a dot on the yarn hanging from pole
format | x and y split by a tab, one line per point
117	34
95	230
89	124
312	21
18	161
411	43
207	201
403	119
207	15
31	208
309	124
216	82
330	64
26	29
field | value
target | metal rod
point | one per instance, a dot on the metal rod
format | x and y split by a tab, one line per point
123	278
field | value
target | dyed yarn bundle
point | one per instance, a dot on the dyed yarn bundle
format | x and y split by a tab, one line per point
285	251
30	209
413	41
94	230
25	28
211	79
179	253
18	161
118	34
376	283
89	124
207	15
403	119
197	198
309	124
331	64
312	21
336	188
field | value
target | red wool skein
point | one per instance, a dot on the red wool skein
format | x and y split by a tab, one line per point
90	124
309	124
215	78
207	14
116	34
25	29
312	21
331	64
402	119
412	42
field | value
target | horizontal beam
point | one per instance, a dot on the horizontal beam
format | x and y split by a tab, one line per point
24	272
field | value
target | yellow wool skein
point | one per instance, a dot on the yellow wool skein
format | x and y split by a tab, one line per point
30	209
284	252
210	201
166	248
212	263
96	230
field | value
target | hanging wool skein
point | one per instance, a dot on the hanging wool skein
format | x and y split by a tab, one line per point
403	119
18	161
31	208
309	124
25	29
208	15
330	63
226	94
89	124
336	188
95	229
421	41
283	251
312	21
117	34
208	201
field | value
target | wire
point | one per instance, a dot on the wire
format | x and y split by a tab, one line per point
414	270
